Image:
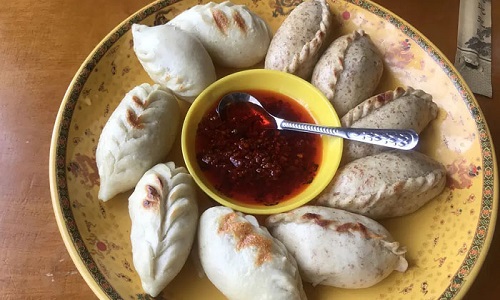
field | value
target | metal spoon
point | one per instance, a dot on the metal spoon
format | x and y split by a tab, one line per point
394	138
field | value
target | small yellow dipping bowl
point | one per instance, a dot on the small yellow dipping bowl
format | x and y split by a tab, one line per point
278	82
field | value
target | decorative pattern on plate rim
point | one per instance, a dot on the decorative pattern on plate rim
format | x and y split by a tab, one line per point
473	252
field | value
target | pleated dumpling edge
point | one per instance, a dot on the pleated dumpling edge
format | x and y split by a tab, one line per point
139	134
164	213
174	59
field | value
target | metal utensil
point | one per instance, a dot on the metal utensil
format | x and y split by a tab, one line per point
394	138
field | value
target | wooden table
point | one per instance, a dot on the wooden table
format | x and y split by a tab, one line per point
42	45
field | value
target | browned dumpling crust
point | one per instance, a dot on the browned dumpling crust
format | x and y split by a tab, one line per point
398	109
389	184
243	260
163	211
233	35
337	248
139	134
349	71
300	40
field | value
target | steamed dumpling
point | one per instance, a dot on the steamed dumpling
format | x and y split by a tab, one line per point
389	184
232	34
337	248
300	40
349	71
243	260
164	214
138	135
398	109
174	59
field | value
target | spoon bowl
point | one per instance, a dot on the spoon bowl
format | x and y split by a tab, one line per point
403	139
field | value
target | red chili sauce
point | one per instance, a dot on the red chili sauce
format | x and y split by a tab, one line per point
246	159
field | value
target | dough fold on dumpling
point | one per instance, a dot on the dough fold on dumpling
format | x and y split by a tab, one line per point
232	34
139	134
337	248
243	260
389	184
301	38
164	213
349	71
398	109
174	59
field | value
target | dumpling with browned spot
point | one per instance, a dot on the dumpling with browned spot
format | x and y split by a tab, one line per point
139	134
243	260
174	59
338	248
164	213
233	35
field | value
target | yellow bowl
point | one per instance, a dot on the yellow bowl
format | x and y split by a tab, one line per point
282	83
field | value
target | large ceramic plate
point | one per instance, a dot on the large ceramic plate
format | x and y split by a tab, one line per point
447	239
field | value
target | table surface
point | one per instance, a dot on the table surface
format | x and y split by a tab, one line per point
43	43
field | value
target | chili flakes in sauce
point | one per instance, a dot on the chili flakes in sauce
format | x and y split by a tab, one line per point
246	159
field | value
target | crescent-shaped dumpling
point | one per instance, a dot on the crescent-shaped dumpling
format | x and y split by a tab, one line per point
138	134
349	70
398	109
174	59
164	214
300	40
337	248
389	184
243	260
232	34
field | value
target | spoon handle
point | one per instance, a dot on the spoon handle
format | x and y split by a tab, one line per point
394	138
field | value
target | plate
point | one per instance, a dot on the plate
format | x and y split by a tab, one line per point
447	239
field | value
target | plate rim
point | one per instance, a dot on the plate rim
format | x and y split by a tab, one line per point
460	281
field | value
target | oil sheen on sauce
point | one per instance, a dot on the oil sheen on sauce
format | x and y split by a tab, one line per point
245	158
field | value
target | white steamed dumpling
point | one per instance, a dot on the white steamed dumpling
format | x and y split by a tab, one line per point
174	59
139	134
164	213
243	260
233	35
